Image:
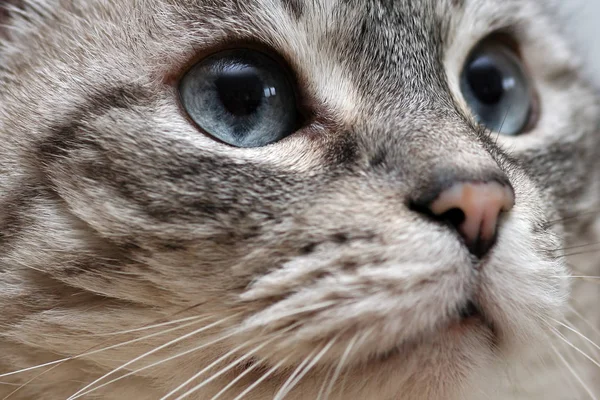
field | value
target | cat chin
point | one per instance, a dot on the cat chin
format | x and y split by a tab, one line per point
442	366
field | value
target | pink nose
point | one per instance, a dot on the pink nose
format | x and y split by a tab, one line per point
479	206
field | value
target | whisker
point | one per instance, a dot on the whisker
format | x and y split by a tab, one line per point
214	376
58	363
312	307
261	379
145	328
189	308
340	365
572	217
590	345
89	353
567	378
167	360
295	373
578	253
152	352
585	321
50	363
314	361
576	276
364	337
343	386
234	381
578	333
579	246
21	386
324	385
502	124
574	373
563	338
154	364
223	370
590	279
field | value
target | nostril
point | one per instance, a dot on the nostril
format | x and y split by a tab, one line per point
469	310
455	217
473	209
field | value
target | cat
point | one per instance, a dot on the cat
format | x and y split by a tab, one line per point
296	199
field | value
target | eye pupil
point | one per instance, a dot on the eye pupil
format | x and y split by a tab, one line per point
240	90
486	81
497	88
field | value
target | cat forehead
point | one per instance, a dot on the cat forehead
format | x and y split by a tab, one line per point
359	35
388	21
376	24
350	47
384	11
351	55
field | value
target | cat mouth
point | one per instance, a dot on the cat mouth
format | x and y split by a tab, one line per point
471	313
469	317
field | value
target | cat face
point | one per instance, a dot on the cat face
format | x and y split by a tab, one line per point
303	227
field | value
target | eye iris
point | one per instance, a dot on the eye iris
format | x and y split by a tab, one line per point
240	90
497	89
486	81
241	97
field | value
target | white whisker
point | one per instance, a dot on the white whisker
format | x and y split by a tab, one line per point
312	307
146	328
154	364
151	352
363	338
261	379
567	378
585	321
324	385
563	338
579	334
214	376
280	395
295	372
574	373
89	353
37	366
340	365
219	373
273	337
577	277
234	381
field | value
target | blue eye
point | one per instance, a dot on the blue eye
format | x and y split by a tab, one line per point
497	89
241	97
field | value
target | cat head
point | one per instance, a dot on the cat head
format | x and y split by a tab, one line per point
367	187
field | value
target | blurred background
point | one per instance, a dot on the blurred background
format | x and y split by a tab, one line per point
583	21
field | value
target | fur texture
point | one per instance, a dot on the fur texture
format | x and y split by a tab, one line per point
121	222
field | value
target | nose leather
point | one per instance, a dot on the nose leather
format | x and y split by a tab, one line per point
481	203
